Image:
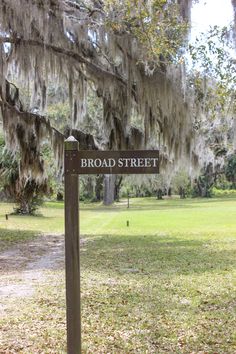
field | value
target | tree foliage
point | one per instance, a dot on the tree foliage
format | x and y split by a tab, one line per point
230	170
118	71
214	70
156	24
26	194
120	50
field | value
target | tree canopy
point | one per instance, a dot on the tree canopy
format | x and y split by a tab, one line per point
125	51
129	53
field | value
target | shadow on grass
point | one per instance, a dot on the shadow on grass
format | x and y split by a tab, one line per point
34	217
139	207
137	255
166	204
10	237
155	255
28	250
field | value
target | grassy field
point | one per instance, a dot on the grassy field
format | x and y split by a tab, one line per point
165	284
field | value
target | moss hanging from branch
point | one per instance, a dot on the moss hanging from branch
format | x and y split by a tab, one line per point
26	132
74	44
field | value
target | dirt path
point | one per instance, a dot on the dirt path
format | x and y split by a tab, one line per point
23	267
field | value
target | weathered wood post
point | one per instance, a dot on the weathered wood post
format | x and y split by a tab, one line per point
90	162
72	249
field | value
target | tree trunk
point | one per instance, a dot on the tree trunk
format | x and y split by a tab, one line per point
59	196
24	207
137	192
99	187
117	188
203	189
159	194
89	188
109	189
182	193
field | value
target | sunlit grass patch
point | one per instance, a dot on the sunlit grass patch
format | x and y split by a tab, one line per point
9	238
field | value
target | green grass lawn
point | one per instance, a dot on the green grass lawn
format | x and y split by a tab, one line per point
165	284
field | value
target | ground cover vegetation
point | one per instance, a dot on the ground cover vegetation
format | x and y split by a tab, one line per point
164	284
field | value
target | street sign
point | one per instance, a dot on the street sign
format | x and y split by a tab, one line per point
112	162
90	162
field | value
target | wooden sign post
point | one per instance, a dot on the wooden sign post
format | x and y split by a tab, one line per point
90	162
72	252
